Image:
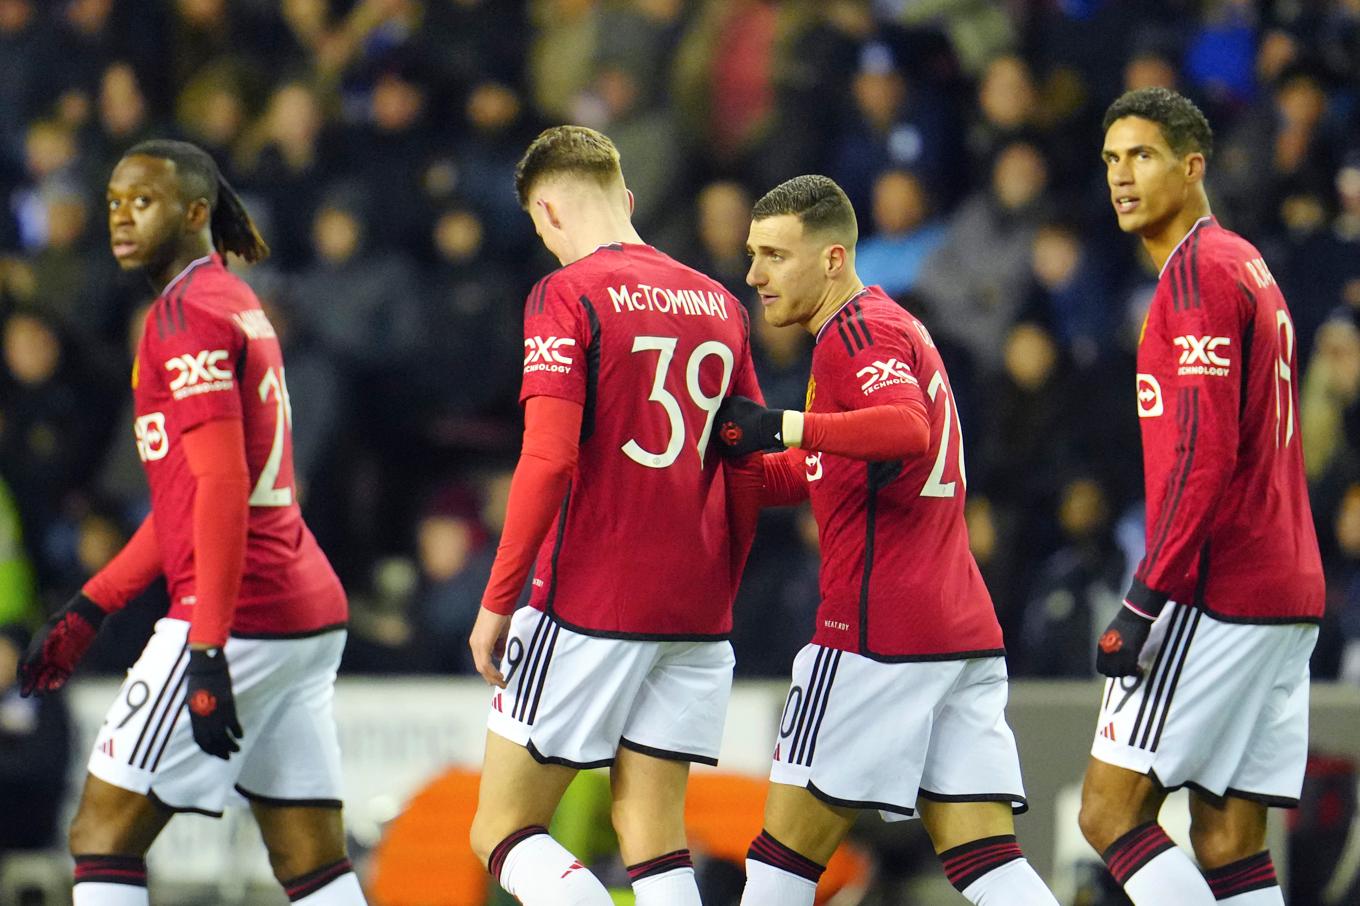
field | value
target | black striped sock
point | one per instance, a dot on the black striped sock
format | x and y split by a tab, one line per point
1135	849
1252	873
660	865
967	862
129	870
767	849
312	881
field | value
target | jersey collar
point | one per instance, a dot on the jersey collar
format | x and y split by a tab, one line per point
184	273
1196	225
827	323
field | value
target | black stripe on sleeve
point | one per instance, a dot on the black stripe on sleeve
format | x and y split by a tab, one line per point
592	371
847	317
1195	301
1248	336
845	337
861	320
1190	398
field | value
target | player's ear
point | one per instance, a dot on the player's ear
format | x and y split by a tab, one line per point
1194	166
835	260
550	213
197	215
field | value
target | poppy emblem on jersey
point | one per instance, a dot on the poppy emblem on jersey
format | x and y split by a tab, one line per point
153	442
1149	397
1111	641
731	433
203	703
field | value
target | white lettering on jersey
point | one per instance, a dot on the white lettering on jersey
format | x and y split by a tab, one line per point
642	297
1260	273
254	324
1149	396
546	354
199	373
884	374
1199	355
813	461
153	442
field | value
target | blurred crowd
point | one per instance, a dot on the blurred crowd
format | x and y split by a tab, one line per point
375	140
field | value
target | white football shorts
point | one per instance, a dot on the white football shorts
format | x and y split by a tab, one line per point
284	688
574	699
1221	708
871	734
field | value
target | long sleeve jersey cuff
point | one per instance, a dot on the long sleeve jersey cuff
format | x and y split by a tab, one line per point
897	430
216	455
1143	600
130	571
552	430
785	481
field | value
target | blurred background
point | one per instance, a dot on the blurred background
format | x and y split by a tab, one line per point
374	142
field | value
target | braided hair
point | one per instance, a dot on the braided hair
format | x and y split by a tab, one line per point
200	177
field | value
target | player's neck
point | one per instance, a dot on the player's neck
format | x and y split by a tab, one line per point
1162	244
837	294
595	232
188	253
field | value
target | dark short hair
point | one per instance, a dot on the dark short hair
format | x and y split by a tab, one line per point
1183	124
820	204
574	150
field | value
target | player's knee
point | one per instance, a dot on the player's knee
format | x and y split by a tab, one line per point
1224	844
1101	823
484	836
90	834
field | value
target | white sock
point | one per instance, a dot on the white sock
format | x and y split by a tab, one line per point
1154	872
1169	879
1246	882
343	891
666	880
1013	884
672	888
540	872
96	894
767	885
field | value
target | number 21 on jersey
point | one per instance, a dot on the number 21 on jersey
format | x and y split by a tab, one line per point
935	485
266	493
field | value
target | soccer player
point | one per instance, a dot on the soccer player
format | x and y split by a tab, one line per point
621	658
233	690
1208	657
898	704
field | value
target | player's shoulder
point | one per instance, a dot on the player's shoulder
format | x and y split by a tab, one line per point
870	318
204	298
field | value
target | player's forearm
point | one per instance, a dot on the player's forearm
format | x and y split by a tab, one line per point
785	481
744	481
547	462
216	455
898	430
130	571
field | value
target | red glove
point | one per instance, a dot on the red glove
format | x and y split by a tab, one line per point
55	651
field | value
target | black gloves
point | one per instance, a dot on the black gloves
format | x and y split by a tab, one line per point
55	651
212	708
745	426
1117	652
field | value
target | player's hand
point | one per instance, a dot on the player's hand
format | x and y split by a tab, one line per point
212	707
745	426
488	644
1122	642
55	651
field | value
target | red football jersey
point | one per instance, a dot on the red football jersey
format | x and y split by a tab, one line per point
898	582
1229	528
650	348
208	352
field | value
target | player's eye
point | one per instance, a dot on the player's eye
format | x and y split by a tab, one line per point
142	201
113	204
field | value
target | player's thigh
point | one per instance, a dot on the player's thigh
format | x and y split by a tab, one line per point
649	804
804	823
516	791
300	839
113	821
681	706
1115	800
972	757
1223	831
952	824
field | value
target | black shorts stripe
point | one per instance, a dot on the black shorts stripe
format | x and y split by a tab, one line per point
1150	677
1178	640
1176	679
821	711
178	710
543	673
805	706
532	656
174	705
816	696
171	681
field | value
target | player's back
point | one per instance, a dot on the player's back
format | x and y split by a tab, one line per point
1221	350
898	580
650	348
209	352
